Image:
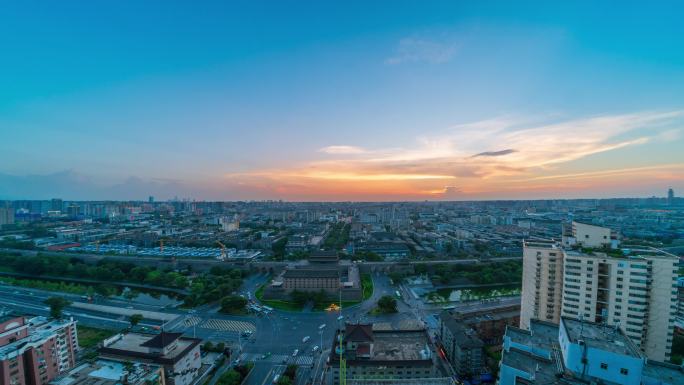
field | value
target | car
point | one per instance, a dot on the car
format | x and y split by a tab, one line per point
294	354
305	339
315	348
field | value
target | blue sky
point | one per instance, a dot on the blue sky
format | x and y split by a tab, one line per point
312	101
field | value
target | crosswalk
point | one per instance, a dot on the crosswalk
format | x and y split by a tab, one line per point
277	359
228	325
192	321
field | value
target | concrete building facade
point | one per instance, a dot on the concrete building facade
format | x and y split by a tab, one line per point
180	356
382	355
33	351
463	348
542	282
577	352
638	293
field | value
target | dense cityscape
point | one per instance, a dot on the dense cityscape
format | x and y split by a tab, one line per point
262	192
190	292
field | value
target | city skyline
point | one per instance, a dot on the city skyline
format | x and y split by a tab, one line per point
353	102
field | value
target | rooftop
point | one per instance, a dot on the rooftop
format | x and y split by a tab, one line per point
399	345
602	337
669	373
162	340
464	335
106	372
39	328
136	343
542	334
311	273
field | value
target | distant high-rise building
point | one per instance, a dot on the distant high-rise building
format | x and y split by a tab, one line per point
73	210
670	196
150	199
6	216
56	204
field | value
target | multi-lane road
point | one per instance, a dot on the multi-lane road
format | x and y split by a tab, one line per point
273	338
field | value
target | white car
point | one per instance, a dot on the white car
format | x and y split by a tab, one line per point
305	339
315	348
294	354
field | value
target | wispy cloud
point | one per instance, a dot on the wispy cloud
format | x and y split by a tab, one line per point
341	150
528	150
421	50
495	153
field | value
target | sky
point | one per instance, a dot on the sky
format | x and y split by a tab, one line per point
341	101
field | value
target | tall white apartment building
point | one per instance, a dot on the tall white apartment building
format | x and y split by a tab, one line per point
542	282
634	289
637	292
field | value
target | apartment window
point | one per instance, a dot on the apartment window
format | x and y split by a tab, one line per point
604	366
624	371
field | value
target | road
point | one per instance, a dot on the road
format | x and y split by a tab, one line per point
273	339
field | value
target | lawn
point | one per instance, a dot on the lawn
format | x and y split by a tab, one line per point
366	285
89	337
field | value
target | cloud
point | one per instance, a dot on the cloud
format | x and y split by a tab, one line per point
495	153
418	50
338	150
529	149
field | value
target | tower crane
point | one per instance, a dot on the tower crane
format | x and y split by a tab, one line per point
223	251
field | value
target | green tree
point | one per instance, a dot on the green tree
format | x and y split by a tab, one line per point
233	303
57	304
299	297
231	377
135	319
387	304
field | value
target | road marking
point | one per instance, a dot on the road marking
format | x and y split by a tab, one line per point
192	321
228	325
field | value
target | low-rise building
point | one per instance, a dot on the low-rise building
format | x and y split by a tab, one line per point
576	352
382	354
463	348
108	372
180	356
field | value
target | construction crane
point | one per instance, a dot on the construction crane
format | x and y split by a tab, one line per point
223	251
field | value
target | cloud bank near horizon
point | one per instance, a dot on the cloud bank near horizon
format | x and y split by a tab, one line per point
514	157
